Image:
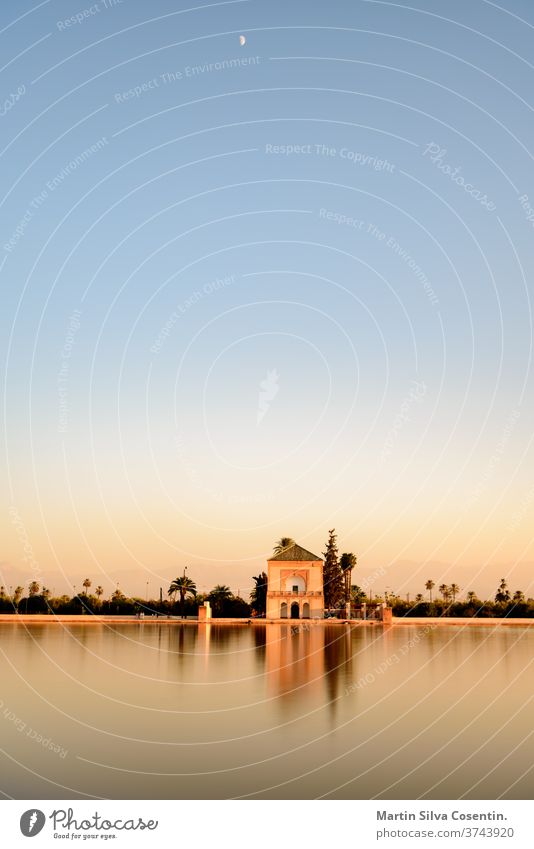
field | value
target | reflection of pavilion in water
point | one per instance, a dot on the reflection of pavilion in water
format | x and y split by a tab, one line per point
307	658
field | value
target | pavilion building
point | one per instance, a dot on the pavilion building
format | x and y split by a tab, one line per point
295	585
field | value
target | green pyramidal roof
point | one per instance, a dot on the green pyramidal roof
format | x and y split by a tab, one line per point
294	552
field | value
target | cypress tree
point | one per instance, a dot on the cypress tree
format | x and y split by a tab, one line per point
333	583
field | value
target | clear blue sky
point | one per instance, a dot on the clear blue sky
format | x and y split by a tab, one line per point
266	289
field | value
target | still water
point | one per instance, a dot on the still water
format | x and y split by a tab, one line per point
150	710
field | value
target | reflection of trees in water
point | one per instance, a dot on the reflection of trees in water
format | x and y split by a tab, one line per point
259	636
224	638
181	640
83	634
221	641
338	663
260	641
180	646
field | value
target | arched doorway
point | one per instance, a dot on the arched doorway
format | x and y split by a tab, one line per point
305	610
295	612
283	610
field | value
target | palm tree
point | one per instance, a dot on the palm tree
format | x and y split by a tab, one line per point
454	590
282	544
99	591
117	597
45	593
17	595
86	584
518	596
419	598
33	588
218	595
471	596
503	593
430	586
347	562
444	590
184	586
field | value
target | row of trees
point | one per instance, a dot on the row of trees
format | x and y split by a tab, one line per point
471	606
41	600
503	604
450	592
182	599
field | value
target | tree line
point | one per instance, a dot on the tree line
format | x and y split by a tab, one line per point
183	598
504	603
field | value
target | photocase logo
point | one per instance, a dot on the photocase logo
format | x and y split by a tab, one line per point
32	822
268	391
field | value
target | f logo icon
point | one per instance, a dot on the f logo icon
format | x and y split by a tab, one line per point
32	822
